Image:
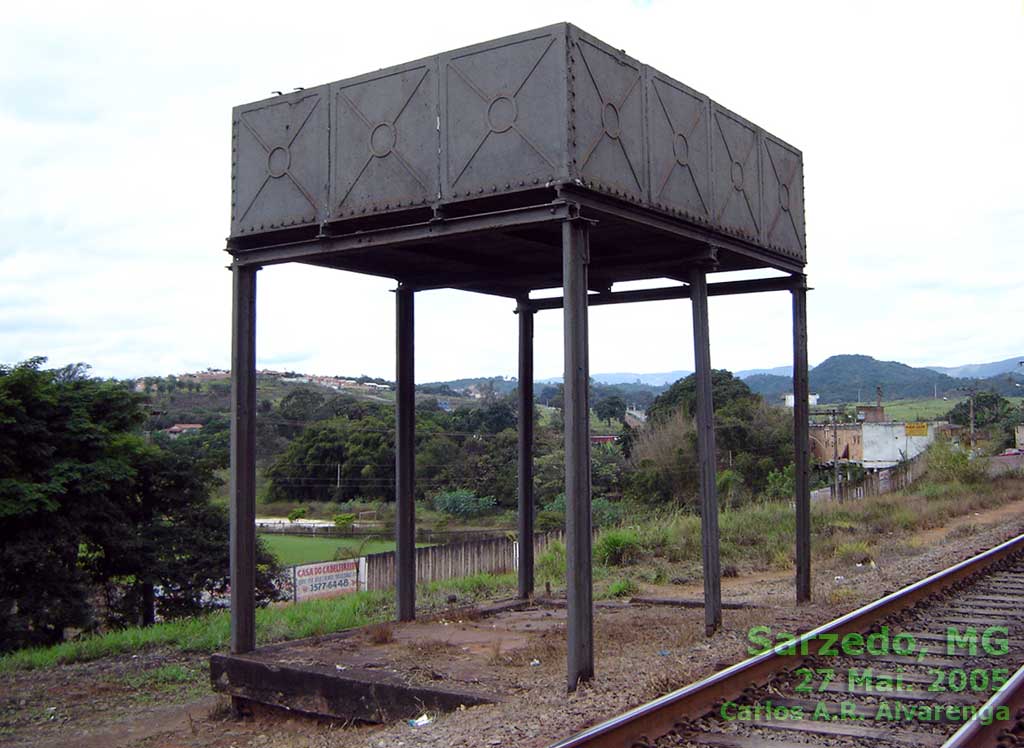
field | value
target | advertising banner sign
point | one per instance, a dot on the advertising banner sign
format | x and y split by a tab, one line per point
326	579
917	429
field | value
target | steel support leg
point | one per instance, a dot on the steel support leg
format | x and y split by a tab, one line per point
243	460
405	458
525	451
801	444
706	454
575	257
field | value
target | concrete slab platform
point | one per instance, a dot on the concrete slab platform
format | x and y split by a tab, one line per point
393	671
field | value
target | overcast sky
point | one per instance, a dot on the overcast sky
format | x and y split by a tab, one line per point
114	198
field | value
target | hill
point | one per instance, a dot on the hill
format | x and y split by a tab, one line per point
657	379
992	369
854	378
775	371
769	386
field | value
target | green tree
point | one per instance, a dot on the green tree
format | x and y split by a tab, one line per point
87	504
610	409
989	409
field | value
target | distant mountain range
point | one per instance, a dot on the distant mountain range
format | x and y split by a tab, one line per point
844	378
982	371
856	378
627	377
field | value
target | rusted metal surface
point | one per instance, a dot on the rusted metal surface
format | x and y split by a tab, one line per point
518	116
649	721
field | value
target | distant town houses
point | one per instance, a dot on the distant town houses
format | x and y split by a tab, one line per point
182	428
147	384
874	442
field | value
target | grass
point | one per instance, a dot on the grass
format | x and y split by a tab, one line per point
211	632
854	552
760	535
621	588
301	549
175	682
617	546
928	409
756	536
925	409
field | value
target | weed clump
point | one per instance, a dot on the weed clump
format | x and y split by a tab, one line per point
622	588
617	547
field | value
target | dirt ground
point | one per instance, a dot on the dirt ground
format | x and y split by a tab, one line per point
162	700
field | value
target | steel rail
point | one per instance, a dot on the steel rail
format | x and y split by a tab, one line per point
655	718
982	730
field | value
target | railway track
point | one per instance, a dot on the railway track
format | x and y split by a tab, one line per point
937	663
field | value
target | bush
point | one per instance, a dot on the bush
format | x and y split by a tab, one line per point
622	588
463	503
297	513
854	552
781	484
950	464
603	513
548	521
550	565
344	520
617	547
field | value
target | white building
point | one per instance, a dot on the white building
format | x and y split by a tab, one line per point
888	443
812	399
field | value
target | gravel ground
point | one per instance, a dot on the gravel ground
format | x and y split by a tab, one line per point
641	652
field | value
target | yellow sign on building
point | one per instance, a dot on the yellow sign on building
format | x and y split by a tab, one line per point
916	429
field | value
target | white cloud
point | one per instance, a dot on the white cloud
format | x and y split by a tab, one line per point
114	202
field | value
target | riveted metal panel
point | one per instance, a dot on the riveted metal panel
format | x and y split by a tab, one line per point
544	108
503	114
735	175
679	147
279	162
384	140
607	118
783	170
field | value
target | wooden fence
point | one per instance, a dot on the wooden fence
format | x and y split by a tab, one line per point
881	482
454	560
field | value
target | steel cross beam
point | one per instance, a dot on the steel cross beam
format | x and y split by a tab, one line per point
325	246
671	227
726	288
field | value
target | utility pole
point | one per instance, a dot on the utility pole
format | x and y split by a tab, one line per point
834	414
971	400
835	455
